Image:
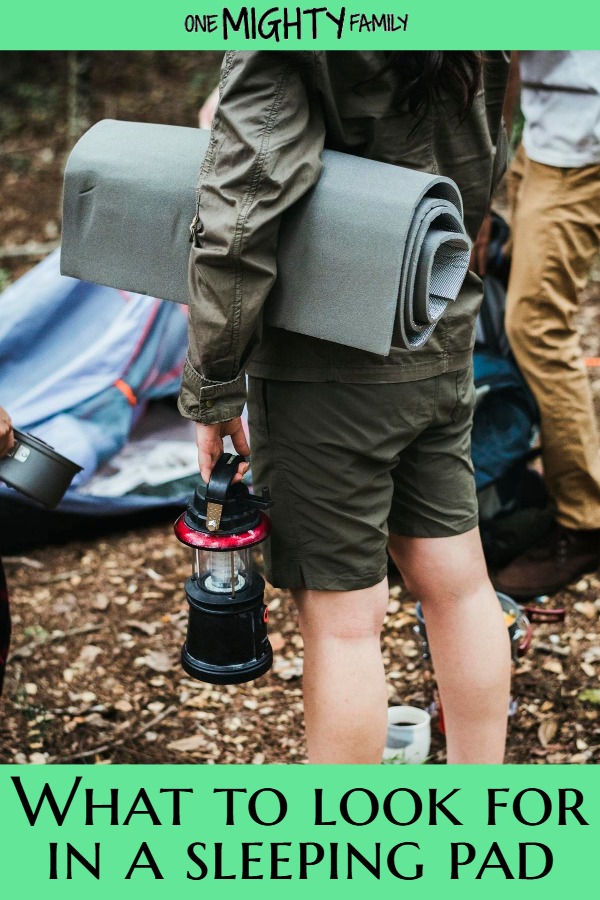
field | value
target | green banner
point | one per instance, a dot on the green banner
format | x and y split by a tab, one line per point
345	831
209	25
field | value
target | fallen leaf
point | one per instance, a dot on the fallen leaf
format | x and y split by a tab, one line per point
554	666
590	696
89	653
157	660
587	609
547	731
557	758
591	654
581	758
148	628
151	573
87	697
277	641
37	759
286	669
189	743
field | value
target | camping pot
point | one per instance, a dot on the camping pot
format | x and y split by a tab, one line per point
519	628
34	468
226	640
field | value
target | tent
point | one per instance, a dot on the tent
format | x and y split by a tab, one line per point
85	367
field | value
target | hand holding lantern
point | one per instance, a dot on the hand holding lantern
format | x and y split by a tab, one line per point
227	639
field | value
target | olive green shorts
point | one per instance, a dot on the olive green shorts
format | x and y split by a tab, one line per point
348	463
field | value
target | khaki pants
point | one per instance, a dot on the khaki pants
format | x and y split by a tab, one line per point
556	236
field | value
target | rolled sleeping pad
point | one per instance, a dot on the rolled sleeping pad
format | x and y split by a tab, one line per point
370	257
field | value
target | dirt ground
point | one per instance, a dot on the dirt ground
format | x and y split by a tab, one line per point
98	625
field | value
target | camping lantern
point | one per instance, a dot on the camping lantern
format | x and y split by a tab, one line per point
226	639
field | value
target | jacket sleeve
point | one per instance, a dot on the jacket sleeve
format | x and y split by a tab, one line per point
264	154
496	69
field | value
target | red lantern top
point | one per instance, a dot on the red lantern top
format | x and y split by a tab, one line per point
215	541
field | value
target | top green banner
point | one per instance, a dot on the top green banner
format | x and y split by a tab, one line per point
383	25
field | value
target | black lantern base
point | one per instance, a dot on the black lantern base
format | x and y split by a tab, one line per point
226	641
236	674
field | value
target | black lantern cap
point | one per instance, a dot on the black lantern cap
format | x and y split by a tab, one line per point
237	509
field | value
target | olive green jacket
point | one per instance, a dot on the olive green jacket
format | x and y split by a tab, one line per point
277	111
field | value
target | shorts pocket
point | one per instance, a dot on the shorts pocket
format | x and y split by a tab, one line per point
465	395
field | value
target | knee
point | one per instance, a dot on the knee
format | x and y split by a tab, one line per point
344	616
441	570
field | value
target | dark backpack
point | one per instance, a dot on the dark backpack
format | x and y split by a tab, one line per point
514	507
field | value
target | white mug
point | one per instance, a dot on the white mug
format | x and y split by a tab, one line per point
408	735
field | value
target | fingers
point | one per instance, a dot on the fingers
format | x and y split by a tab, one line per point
239	438
479	251
240	444
209	439
210	446
6	444
7	438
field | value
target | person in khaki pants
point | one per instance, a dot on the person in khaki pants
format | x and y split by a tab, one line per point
555	186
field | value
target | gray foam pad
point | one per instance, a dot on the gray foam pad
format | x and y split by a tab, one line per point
370	257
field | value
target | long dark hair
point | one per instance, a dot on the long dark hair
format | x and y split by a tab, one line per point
428	75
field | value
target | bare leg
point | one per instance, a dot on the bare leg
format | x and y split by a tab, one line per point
345	698
468	639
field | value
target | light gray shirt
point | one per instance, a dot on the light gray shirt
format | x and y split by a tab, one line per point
560	99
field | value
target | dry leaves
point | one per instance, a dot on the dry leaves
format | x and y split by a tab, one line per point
547	731
185	745
157	660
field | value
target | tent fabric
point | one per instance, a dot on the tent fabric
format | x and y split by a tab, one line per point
79	362
369	236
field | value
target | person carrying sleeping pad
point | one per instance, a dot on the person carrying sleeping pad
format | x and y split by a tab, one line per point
361	452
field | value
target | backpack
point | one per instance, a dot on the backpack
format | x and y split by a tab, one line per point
514	508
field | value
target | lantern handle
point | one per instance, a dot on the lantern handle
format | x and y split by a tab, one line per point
222	475
219	483
218	486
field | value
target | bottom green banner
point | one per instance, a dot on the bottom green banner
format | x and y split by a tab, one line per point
113	831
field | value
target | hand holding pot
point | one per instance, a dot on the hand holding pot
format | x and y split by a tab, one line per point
7	439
